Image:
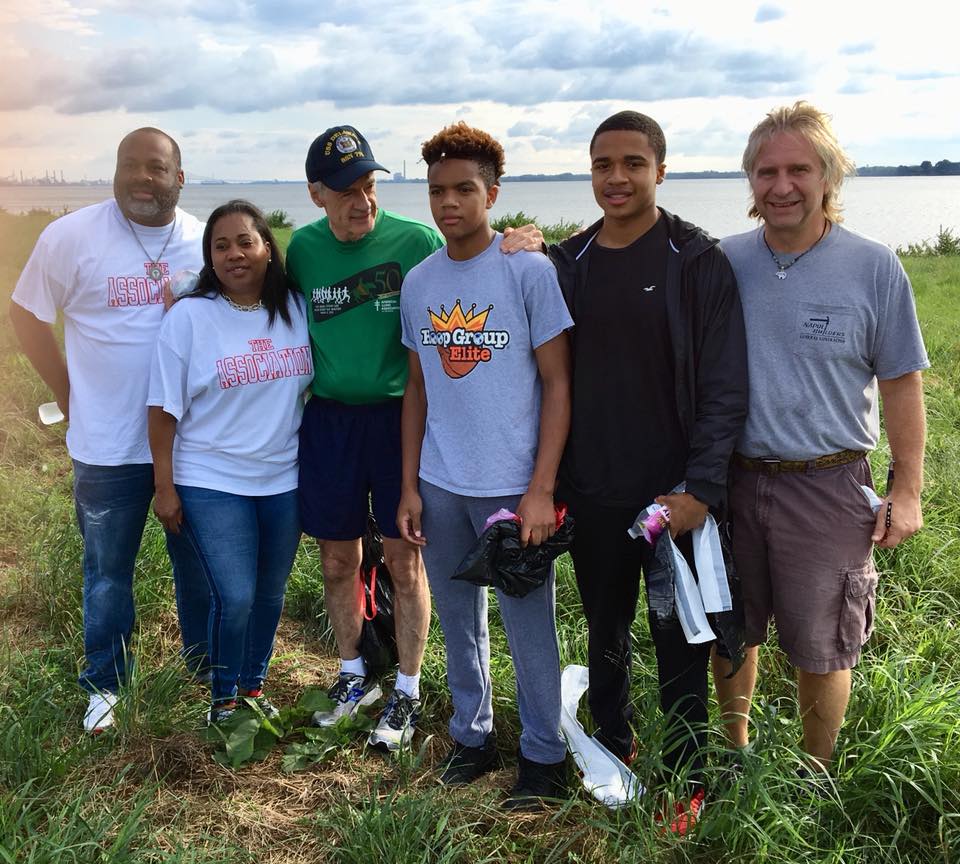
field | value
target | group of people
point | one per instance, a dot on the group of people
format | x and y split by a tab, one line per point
639	361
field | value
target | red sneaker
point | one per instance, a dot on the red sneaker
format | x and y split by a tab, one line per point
685	815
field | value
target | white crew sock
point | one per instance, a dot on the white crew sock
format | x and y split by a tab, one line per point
409	684
353	667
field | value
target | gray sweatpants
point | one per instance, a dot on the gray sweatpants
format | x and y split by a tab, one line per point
451	523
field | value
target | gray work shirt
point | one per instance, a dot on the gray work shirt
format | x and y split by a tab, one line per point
818	340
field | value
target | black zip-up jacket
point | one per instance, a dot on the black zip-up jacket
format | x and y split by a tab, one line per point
709	345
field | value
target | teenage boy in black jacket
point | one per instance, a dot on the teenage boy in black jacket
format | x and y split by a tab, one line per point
659	397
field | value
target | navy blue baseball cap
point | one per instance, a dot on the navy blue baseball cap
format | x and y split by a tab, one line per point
339	156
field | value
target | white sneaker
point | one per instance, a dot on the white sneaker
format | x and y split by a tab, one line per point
397	723
99	714
349	693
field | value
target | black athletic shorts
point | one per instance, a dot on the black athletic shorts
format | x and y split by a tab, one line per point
349	462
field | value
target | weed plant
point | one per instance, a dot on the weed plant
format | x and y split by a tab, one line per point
945	243
552	233
151	789
279	219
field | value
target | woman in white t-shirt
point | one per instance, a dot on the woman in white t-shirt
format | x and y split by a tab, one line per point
231	364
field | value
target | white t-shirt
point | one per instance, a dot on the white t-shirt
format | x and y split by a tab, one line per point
235	386
88	265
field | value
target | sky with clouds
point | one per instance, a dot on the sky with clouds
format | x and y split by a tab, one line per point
245	85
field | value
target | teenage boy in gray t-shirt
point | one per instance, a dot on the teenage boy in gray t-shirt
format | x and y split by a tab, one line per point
485	418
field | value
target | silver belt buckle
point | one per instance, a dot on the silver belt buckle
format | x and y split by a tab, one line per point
770	465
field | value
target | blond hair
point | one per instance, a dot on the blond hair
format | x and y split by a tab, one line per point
814	125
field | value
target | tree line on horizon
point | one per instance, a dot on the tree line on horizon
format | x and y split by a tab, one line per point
943	168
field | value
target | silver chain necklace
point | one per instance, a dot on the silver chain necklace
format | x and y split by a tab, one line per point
781	267
155	271
244	307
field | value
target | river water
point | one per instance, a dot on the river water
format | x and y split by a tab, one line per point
894	210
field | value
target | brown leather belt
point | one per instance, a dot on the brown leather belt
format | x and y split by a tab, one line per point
772	465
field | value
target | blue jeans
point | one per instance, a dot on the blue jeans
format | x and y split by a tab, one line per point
112	502
247	544
193	601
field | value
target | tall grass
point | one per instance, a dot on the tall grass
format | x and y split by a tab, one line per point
150	791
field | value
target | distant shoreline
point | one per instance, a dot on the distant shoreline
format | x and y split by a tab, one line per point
943	168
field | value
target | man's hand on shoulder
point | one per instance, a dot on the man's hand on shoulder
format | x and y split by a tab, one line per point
686	512
538	519
905	519
527	238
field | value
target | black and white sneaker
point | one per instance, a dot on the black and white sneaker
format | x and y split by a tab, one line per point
349	693
397	723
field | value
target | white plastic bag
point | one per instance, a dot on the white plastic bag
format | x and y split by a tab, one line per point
690	611
694	600
708	556
605	777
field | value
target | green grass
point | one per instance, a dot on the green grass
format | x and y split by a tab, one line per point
151	791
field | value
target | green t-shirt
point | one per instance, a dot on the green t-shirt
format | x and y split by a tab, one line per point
353	304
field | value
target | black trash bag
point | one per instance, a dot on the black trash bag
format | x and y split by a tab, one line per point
661	576
728	626
498	560
378	635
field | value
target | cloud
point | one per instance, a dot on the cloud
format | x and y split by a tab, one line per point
768	12
390	56
855	85
713	138
58	15
522	129
857	48
17	140
930	75
575	132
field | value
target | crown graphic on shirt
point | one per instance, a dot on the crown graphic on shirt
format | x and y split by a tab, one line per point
457	319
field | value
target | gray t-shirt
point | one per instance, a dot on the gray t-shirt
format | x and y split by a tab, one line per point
474	325
818	340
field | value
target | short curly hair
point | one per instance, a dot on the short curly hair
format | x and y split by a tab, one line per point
460	141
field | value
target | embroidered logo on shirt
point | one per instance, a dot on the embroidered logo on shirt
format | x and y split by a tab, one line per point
650	288
461	340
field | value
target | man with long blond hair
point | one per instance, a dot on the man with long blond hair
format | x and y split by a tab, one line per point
830	322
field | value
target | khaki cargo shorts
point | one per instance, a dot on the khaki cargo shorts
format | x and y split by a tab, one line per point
801	544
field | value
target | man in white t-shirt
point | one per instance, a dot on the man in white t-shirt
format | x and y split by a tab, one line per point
106	268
